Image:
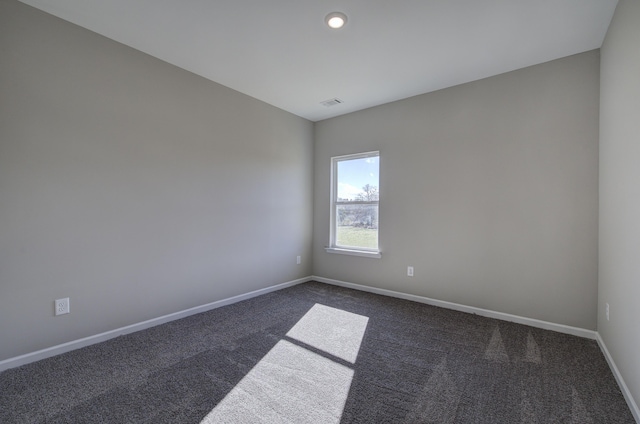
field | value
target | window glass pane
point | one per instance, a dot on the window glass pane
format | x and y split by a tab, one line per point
358	179
357	226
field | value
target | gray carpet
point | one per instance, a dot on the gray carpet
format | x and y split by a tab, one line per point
322	354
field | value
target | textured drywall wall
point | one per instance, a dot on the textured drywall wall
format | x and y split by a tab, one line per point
619	265
133	187
489	189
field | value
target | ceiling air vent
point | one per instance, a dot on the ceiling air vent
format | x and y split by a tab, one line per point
332	102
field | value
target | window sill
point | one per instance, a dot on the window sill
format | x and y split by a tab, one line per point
361	253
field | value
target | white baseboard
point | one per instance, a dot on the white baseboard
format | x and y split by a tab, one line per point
633	406
76	344
560	328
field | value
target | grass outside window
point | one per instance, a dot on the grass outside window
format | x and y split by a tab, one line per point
356	236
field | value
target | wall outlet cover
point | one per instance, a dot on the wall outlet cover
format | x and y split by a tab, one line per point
62	306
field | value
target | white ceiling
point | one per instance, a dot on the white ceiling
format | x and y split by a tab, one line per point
281	52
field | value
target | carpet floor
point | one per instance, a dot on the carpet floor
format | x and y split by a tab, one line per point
315	353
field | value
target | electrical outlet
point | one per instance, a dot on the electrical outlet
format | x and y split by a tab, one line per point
607	310
298	260
62	306
410	271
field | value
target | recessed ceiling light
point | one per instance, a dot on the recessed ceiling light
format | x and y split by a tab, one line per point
336	20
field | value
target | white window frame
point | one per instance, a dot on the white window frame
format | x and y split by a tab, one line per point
333	247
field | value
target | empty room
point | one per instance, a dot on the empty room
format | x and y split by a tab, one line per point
319	212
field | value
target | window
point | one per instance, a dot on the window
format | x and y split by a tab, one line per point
355	194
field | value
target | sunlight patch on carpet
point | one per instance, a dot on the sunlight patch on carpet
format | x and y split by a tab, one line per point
495	351
292	384
533	350
439	399
331	330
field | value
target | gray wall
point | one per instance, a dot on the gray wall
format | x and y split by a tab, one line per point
619	280
133	187
489	189
139	189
